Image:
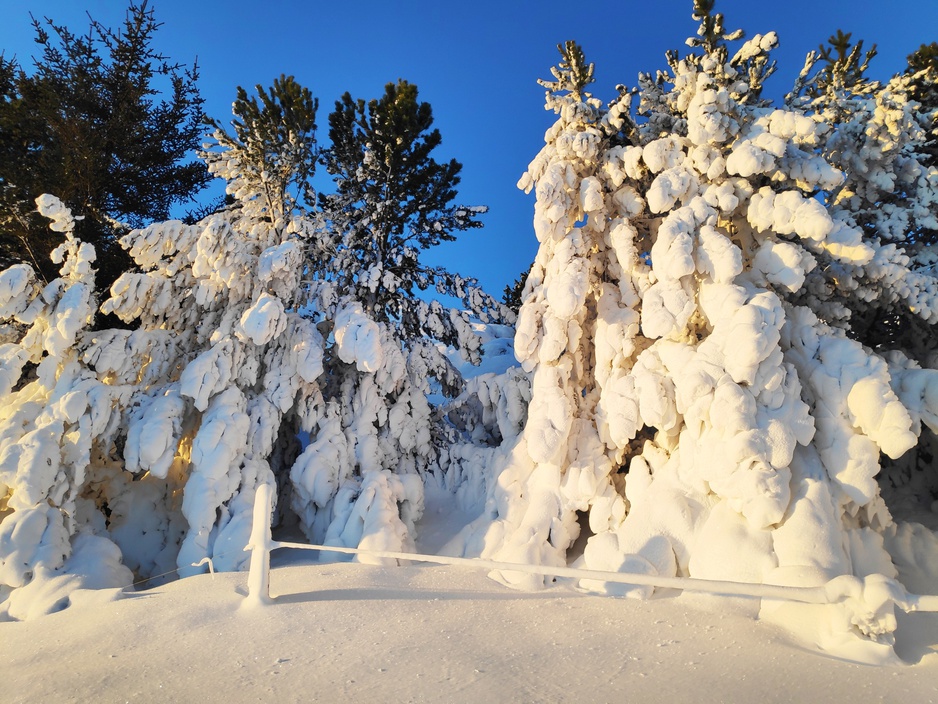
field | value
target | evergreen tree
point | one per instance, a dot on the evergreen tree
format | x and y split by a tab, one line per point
88	125
844	65
882	140
244	335
513	295
177	421
694	391
392	201
272	152
923	88
359	480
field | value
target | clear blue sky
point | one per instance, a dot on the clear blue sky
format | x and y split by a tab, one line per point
475	63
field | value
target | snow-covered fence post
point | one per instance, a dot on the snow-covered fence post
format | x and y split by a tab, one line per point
260	546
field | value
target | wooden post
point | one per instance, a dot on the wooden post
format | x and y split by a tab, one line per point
260	545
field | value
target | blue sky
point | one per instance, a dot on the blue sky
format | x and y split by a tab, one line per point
476	64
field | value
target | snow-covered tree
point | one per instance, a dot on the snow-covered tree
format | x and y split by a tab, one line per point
251	329
882	139
879	139
155	439
72	122
51	534
697	401
393	200
271	156
923	88
379	430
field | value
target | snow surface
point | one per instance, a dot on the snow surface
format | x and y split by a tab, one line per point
353	632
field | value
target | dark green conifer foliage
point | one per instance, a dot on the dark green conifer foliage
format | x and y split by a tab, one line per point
274	141
923	88
88	126
392	201
834	79
845	65
712	35
924	58
572	73
513	296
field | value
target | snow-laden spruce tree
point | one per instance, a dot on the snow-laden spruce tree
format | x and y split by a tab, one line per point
359	482
883	141
154	439
696	403
272	320
52	535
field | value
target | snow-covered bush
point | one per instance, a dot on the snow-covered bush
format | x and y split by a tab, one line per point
55	410
697	401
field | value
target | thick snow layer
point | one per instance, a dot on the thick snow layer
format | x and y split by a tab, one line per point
352	632
498	353
683	409
264	320
16	285
51	207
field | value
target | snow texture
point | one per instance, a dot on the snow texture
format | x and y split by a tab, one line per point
694	398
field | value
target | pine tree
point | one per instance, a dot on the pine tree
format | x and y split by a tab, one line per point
393	200
882	140
513	295
87	126
359	481
272	153
173	424
844	65
923	88
694	390
245	334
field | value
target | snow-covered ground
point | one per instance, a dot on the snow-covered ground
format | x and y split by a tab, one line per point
352	632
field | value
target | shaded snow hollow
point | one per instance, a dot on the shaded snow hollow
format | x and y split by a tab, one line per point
352	632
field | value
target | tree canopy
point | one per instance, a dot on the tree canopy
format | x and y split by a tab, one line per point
108	124
392	201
